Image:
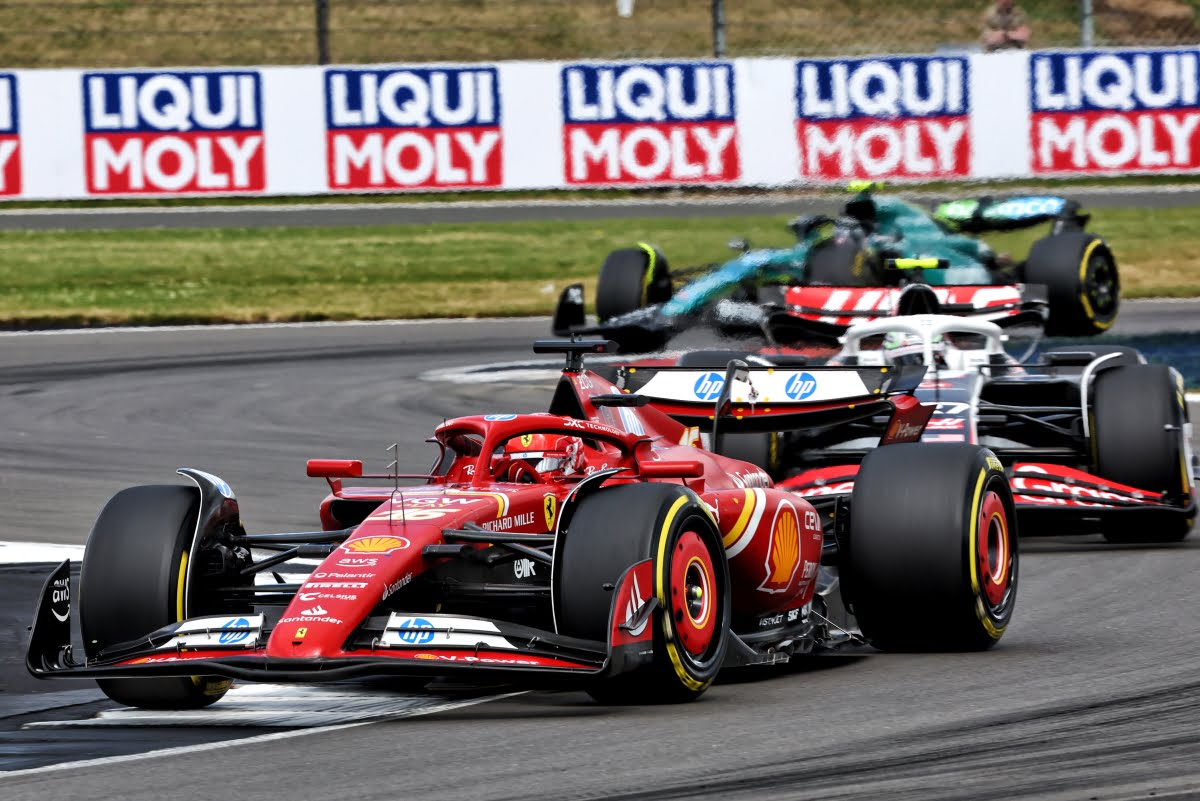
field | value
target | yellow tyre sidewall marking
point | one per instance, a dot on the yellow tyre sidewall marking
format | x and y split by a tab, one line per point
648	278
208	687
993	630
1087	305
660	565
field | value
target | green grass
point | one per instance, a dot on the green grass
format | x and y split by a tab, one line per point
275	274
139	33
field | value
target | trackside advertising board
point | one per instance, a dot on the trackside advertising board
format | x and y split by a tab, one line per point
83	133
883	118
646	124
10	137
413	128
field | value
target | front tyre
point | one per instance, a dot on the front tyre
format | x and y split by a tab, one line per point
132	583
630	279
1080	274
932	562
620	526
1138	430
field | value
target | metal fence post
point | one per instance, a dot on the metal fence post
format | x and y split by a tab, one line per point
718	28
322	31
1087	29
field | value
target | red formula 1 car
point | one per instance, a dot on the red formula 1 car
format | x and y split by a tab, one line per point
592	546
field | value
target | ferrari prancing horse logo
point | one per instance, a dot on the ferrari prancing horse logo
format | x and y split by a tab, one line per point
549	506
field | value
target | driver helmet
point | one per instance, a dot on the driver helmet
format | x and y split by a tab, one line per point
546	455
901	349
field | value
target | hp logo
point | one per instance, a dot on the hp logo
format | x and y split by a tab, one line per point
800	386
708	386
416	631
231	637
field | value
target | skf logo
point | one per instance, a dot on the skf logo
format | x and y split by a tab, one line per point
783	554
173	132
549	507
412	128
10	137
649	123
1114	111
882	117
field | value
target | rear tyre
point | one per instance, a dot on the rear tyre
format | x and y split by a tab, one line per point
132	583
618	527
630	279
1081	277
932	562
1137	432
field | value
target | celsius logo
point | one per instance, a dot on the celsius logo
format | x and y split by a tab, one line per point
229	637
708	386
800	386
415	631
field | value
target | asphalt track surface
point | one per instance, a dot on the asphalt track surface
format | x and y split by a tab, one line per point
1093	692
425	213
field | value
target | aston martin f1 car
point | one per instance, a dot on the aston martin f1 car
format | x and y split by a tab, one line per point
593	546
1093	439
853	268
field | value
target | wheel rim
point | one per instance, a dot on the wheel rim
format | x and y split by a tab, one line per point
995	551
693	595
1101	284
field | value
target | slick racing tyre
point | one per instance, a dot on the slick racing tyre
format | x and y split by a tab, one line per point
1082	283
932	548
618	527
134	568
630	279
1138	431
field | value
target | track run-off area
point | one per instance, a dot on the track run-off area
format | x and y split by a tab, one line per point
1092	693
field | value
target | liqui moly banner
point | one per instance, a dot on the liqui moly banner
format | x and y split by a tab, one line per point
78	134
1115	112
10	137
413	128
173	132
883	118
648	124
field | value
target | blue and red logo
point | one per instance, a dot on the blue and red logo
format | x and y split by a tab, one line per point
1115	111
412	128
10	137
883	118
662	123
173	132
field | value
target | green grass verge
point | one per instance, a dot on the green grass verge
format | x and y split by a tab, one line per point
275	274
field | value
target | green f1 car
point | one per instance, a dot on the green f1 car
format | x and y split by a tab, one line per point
845	269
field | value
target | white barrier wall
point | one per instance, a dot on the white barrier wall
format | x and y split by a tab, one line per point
68	134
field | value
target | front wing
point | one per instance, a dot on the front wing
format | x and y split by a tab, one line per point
235	646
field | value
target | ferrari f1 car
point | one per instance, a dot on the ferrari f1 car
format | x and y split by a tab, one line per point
853	268
1093	439
592	546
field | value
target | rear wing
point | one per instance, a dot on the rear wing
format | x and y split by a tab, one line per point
764	399
977	215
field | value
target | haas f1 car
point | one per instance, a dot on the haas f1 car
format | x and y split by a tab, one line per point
592	546
1093	439
854	268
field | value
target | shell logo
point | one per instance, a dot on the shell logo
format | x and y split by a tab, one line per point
783	555
376	545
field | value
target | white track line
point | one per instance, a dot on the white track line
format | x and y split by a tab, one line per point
261	738
158	329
